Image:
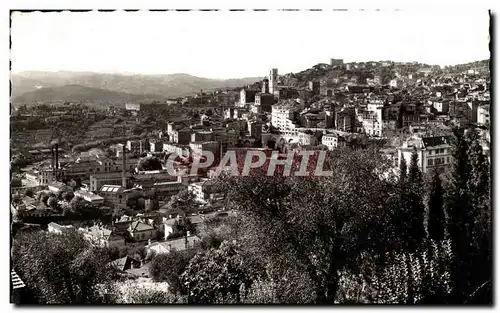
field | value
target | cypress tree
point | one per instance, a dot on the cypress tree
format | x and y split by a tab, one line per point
479	189
436	223
403	170
459	208
401	208
415	203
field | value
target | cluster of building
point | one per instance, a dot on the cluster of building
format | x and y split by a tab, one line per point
413	107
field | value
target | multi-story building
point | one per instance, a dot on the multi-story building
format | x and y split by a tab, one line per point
46	176
202	136
156	146
135	147
180	150
182	136
198	148
483	114
330	141
345	120
264	101
168	188
205	192
315	87
283	116
433	152
114	196
255	129
247	96
227	138
442	106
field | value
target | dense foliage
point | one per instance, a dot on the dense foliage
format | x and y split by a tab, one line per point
60	269
369	233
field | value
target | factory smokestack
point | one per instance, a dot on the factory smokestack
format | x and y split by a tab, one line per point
53	156
57	156
124	166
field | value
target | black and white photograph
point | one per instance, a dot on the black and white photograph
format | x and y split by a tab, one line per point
251	156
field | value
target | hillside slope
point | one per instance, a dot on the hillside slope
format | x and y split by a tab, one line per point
80	93
169	86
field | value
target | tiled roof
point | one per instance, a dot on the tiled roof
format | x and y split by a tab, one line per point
178	244
110	188
436	141
16	280
138	226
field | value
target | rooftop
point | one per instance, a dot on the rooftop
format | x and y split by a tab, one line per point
16	280
111	188
138	226
87	194
436	141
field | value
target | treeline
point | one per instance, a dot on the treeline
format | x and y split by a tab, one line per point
101	143
366	234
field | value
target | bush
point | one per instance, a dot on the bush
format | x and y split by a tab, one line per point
169	267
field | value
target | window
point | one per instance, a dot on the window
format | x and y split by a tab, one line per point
439	161
430	162
448	160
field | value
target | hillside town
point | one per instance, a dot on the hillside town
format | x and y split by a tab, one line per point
100	173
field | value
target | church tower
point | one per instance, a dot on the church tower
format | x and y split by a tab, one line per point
273	80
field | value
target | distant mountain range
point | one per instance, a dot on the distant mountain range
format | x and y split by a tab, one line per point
79	86
81	93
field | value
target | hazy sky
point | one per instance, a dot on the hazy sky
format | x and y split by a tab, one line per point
241	44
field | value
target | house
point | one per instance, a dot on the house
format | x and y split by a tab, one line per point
168	226
483	115
126	263
58	229
89	197
178	244
155	145
114	195
433	152
103	237
205	192
141	231
330	141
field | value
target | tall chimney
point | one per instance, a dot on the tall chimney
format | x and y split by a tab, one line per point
57	155
53	156
124	166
